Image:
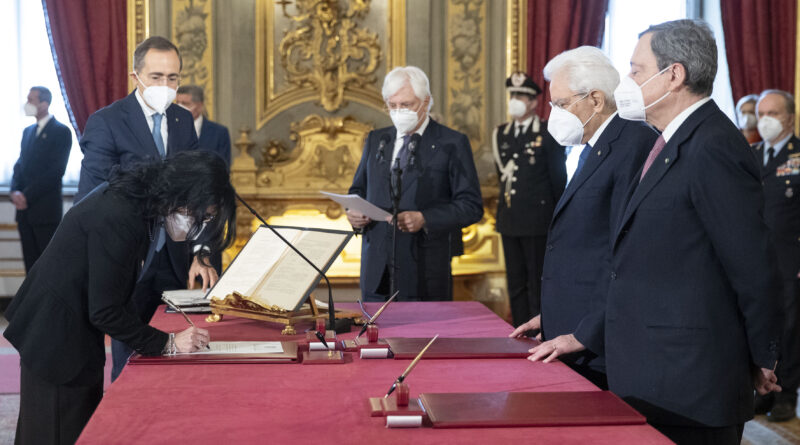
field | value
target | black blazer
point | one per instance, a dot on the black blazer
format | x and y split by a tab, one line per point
443	185
540	179
215	138
118	135
40	169
695	292
781	179
578	255
80	289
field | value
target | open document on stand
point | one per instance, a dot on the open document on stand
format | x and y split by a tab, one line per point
360	205
241	347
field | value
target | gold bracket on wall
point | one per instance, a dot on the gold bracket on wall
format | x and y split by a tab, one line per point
516	36
138	18
193	34
329	53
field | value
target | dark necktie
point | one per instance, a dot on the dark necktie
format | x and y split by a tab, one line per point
770	155
402	155
157	134
582	159
654	152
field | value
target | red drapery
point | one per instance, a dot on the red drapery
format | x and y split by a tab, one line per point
760	44
88	39
556	26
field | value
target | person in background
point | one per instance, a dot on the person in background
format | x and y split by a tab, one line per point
746	117
211	136
779	156
80	289
440	194
532	176
36	182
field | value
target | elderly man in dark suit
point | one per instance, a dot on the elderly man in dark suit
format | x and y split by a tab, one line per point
36	183
575	279
779	156
693	312
440	192
145	126
212	136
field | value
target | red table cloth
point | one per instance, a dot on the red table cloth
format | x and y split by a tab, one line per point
328	404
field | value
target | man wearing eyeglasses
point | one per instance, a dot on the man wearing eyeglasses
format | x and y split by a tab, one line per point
439	193
145	126
532	175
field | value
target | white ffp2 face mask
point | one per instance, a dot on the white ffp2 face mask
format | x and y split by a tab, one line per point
747	121
629	98
769	128
405	120
178	226
30	109
516	108
157	97
565	127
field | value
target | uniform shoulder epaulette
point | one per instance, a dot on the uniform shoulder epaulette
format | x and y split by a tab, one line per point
794	155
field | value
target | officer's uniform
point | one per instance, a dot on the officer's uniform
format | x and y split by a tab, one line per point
532	176
781	179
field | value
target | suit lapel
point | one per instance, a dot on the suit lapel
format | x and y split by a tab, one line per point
663	162
137	124
172	124
598	154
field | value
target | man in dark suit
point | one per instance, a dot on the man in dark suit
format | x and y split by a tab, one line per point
36	183
575	278
145	126
779	156
212	136
440	192
80	289
692	316
531	170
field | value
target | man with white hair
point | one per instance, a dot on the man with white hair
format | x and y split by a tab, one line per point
692	312
439	193
575	278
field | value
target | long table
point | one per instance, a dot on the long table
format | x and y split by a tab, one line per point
327	404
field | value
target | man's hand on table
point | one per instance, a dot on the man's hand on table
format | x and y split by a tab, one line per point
191	340
551	349
534	324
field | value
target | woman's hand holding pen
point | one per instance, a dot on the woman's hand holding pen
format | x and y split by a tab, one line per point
191	340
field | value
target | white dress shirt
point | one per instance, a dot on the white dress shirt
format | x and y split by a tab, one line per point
778	146
41	123
676	123
198	125
148	115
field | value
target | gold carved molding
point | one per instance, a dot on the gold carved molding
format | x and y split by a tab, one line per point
516	36
327	56
466	68
193	34
138	24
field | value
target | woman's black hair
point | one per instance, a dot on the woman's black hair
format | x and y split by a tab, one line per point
192	181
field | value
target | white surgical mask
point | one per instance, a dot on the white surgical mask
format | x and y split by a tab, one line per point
629	98
769	128
747	121
565	127
30	109
157	97
516	108
404	120
178	226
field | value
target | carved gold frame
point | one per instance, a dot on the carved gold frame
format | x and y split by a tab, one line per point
269	104
138	18
516	36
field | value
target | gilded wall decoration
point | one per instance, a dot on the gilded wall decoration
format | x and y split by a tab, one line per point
192	33
516	35
466	62
138	28
327	52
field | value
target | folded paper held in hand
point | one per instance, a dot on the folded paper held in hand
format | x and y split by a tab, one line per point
360	205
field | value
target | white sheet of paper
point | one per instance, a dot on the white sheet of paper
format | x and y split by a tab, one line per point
186	297
242	347
360	205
